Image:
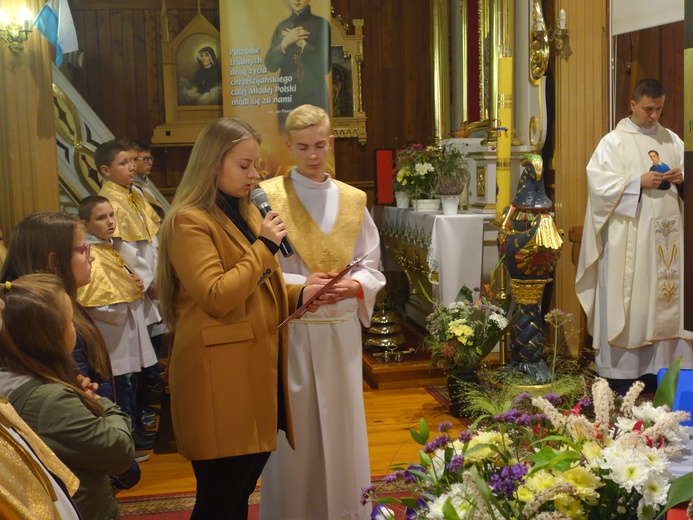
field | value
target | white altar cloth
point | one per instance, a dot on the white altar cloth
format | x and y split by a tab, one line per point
454	243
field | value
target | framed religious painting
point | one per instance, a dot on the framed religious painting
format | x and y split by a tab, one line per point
348	115
192	82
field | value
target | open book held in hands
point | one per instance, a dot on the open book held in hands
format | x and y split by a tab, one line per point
341	274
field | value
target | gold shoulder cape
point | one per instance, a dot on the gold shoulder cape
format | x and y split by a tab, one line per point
135	218
320	252
25	488
110	282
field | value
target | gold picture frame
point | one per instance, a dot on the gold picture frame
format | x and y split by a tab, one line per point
348	115
191	100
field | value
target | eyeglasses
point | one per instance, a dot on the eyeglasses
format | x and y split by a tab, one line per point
84	249
148	159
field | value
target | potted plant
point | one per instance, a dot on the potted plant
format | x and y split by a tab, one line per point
401	195
416	172
451	179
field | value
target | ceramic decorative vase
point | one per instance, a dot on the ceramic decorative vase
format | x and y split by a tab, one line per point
450	204
426	205
402	199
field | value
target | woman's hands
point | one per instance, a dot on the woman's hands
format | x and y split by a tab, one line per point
273	227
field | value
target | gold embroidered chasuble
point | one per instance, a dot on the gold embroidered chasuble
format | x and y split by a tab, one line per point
111	281
320	252
25	488
135	218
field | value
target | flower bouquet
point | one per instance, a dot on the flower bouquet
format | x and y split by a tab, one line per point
462	333
601	458
416	170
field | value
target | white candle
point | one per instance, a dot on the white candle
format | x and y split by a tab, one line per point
561	19
25	14
540	21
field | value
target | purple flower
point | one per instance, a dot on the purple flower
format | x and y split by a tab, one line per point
436	444
382	512
508	480
465	436
412	514
444	426
456	463
524	396
585	402
365	494
392	477
410	477
553	398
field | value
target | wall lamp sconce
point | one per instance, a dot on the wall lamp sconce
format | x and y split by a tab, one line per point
540	37
14	33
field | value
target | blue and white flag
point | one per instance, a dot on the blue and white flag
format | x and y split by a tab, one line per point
55	23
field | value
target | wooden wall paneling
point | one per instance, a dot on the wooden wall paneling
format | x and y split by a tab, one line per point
28	162
121	40
581	120
130	59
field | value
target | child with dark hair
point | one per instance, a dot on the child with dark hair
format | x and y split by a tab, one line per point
144	160
116	300
88	433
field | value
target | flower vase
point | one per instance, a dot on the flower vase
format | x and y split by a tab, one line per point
426	205
402	199
456	391
450	204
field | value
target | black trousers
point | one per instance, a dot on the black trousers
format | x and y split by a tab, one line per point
224	486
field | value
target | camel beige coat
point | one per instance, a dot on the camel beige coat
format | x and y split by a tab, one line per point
226	354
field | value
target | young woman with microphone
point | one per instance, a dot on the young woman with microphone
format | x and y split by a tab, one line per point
222	292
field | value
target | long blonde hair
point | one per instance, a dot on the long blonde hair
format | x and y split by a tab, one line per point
198	190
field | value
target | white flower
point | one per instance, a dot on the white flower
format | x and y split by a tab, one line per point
629	473
500	320
460	499
655	490
422	169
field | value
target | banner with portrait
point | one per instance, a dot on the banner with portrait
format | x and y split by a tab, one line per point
275	57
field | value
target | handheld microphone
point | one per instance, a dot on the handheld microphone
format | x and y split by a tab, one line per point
259	198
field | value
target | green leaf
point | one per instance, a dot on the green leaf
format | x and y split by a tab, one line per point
411	503
681	490
449	512
420	437
666	391
547	457
465	294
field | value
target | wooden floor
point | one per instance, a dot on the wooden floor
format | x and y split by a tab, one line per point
389	414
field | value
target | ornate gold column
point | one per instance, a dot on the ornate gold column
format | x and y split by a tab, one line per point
440	45
28	157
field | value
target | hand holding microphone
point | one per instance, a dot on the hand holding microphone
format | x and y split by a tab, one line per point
259	198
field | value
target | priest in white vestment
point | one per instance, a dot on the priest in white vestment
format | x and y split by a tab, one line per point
329	226
629	276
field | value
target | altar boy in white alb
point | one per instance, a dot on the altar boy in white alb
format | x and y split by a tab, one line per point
329	226
630	273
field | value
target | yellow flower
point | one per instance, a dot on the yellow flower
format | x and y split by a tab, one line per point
539	481
591	450
585	482
570	506
459	330
484	453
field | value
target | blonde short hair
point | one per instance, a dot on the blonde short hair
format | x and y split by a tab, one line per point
305	116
